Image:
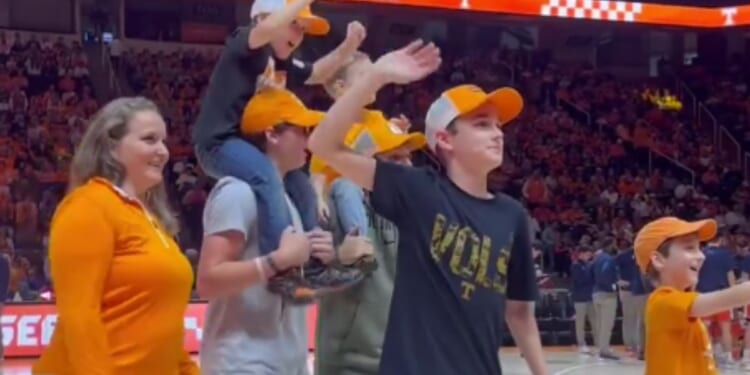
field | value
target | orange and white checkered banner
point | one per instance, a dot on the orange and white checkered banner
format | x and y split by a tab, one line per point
593	10
596	10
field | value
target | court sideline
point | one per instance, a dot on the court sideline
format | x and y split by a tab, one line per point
562	361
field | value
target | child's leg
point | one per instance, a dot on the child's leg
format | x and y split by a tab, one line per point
239	158
725	331
591	317
297	184
348	201
580	324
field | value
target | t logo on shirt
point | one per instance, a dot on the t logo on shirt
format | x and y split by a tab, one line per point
471	258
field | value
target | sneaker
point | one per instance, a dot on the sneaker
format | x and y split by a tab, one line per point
609	356
367	264
325	280
292	287
725	361
303	286
584	350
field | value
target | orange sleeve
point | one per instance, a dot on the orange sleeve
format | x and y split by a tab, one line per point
81	250
188	366
670	308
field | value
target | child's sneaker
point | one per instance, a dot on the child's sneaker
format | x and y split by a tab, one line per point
314	280
292	287
325	279
367	264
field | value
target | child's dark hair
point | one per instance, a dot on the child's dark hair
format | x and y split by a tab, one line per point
651	277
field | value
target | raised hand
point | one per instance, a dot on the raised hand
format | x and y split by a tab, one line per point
402	122
355	33
409	64
321	243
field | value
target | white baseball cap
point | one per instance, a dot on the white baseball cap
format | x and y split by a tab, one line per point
318	25
464	99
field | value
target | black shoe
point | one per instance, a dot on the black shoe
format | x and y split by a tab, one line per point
609	356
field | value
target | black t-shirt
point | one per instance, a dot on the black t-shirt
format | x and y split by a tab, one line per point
233	82
459	258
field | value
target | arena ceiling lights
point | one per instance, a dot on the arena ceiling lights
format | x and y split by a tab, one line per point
599	10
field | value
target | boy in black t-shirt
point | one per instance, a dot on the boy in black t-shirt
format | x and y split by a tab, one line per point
258	57
464	254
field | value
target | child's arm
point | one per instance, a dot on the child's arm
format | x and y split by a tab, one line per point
262	33
715	302
326	66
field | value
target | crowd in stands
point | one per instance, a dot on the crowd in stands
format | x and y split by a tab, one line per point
724	91
581	156
45	101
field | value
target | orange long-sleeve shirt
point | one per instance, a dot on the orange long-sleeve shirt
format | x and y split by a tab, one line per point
121	286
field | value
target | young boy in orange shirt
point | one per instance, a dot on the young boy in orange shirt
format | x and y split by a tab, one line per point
668	252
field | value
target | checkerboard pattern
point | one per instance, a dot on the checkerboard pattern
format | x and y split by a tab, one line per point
593	10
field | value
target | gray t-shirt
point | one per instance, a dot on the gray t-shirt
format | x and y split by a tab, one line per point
253	332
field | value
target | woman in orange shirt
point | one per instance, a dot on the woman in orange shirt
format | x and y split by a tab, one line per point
121	283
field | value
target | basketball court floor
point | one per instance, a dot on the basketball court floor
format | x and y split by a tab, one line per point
560	361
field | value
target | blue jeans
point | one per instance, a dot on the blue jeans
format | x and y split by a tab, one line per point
238	158
348	200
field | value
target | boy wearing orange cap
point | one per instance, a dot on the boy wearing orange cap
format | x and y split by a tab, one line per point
668	251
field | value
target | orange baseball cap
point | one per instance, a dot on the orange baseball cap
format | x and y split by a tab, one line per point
374	135
464	99
318	25
379	135
655	233
273	107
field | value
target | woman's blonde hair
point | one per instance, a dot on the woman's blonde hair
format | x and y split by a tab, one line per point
94	157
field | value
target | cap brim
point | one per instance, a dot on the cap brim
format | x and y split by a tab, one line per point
508	102
413	141
706	229
318	26
306	119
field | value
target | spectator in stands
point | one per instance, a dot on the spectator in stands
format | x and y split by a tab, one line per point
717	273
252	61
627	270
582	284
605	297
116	225
4	284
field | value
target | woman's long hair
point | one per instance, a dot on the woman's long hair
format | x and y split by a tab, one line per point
94	155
